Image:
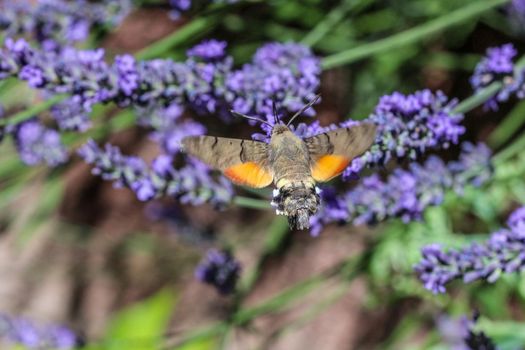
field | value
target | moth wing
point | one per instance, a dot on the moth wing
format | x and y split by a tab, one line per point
331	152
244	162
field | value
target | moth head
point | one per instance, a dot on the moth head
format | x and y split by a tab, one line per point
280	129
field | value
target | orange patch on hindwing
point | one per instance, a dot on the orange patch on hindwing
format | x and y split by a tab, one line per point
249	174
329	166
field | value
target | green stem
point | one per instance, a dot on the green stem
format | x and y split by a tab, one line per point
196	27
413	35
330	21
33	111
247	202
508	127
477	99
208	332
347	270
516	147
277	233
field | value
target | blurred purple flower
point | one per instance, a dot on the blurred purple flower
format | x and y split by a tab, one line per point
220	269
21	331
54	23
497	65
409	125
37	144
285	73
405	194
515	11
334	208
190	184
170	138
71	116
460	334
209	50
503	252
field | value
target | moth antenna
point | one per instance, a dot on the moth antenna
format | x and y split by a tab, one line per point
237	114
301	111
275	117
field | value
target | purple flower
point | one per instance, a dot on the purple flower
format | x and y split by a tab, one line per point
54	23
168	128
460	334
515	11
503	252
128	79
287	74
208	87
220	269
209	50
190	184
407	126
71	116
33	75
37	144
334	209
497	65
22	331
404	194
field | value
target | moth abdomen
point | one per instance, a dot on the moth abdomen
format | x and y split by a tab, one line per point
298	201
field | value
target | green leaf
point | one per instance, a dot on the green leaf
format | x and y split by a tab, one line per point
419	33
33	111
512	123
190	31
142	325
199	344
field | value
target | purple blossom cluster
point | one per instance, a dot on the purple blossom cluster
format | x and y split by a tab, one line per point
190	184
287	74
516	15
497	65
169	128
36	144
503	252
70	116
54	23
21	331
219	269
460	334
179	7
404	194
409	125
206	81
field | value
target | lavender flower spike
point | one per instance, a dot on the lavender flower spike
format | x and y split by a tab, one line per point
408	125
37	144
287	74
497	65
405	194
21	331
219	269
461	333
54	23
190	184
503	252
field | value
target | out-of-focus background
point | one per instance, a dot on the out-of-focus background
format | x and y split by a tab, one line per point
120	272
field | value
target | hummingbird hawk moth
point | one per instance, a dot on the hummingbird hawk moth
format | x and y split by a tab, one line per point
293	164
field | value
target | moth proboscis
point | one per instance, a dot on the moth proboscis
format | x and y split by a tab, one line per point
293	164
